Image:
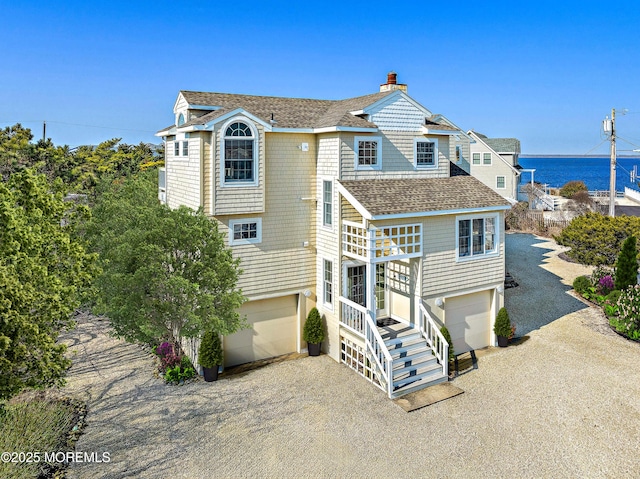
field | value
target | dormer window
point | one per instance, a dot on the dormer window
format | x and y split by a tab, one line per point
239	154
180	119
368	152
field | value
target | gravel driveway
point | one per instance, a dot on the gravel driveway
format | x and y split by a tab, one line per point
564	403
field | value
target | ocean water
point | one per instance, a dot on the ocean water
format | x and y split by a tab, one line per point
557	171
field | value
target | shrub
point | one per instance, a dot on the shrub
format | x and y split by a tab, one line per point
581	284
515	216
169	361
613	296
503	324
313	331
210	351
628	320
571	188
447	337
627	265
596	239
582	197
177	374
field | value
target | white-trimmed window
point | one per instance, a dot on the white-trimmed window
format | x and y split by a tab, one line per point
180	119
185	148
327	203
239	154
500	182
476	158
486	158
476	236
327	291
368	152
245	231
425	153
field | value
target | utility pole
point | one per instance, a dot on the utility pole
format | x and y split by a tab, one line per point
610	127
44	131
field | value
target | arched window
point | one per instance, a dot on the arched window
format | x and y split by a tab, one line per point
181	120
239	161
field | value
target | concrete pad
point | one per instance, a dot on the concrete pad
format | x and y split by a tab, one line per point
427	397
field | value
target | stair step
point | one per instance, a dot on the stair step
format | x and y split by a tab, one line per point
418	357
402	373
411	349
403	339
418	385
400	383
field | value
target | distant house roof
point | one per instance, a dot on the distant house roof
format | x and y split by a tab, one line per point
421	196
503	145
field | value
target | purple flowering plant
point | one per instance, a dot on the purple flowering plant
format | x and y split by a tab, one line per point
164	349
606	284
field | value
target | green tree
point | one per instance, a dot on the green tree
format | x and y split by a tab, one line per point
42	273
166	273
627	265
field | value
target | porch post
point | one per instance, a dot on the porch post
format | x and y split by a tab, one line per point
371	275
417	294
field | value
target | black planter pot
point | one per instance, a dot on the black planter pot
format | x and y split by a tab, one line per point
210	374
314	349
503	341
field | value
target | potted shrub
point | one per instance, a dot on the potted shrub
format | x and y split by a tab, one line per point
313	333
210	355
503	328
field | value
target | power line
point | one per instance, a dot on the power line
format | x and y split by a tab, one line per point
81	124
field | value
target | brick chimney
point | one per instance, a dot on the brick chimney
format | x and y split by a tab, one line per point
392	83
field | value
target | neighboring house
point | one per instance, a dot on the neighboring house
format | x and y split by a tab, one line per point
494	161
348	206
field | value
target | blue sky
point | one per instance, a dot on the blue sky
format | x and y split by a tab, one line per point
544	72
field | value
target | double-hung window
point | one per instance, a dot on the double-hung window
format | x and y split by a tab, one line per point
176	148
476	236
185	148
239	154
328	282
500	182
327	203
486	158
476	158
425	153
368	152
245	231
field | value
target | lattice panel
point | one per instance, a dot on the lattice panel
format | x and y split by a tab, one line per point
353	355
402	240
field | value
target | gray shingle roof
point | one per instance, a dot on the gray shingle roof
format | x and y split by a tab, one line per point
288	112
503	145
422	195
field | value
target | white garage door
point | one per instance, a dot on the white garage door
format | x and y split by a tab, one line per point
273	333
468	320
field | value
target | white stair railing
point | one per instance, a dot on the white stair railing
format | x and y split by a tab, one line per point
431	332
379	352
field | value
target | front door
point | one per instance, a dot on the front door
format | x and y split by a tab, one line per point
356	284
357	287
382	300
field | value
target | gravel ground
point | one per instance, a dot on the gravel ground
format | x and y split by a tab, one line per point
562	403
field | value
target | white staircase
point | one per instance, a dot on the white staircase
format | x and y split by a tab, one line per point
414	364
